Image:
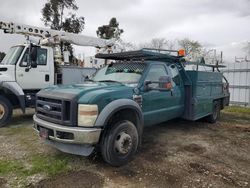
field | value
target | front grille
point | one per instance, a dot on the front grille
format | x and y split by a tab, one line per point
55	110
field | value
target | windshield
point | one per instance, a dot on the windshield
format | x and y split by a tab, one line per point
13	55
127	73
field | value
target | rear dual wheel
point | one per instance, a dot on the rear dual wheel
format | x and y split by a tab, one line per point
5	111
212	118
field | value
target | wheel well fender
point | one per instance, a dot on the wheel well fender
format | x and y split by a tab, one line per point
14	88
118	106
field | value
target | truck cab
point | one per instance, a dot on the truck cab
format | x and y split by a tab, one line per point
136	89
21	79
28	68
25	70
16	67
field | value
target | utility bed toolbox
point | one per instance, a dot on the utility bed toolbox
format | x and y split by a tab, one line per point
206	84
205	87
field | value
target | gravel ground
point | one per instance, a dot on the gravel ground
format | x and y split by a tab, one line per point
177	153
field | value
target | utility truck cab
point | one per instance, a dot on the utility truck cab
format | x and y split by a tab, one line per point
137	89
21	77
30	67
16	66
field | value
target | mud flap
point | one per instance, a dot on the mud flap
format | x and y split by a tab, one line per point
21	99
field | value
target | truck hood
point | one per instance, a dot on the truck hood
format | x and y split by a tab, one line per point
90	92
7	73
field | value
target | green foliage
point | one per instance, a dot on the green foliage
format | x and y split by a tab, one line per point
73	24
110	31
7	167
235	115
237	109
49	165
53	16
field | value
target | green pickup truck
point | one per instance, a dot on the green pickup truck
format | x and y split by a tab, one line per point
136	89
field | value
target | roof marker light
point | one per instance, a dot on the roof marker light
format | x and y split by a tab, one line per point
181	53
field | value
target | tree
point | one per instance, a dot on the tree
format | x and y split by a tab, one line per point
192	48
2	55
110	31
121	46
159	43
53	15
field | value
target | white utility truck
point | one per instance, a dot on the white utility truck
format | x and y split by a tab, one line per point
29	67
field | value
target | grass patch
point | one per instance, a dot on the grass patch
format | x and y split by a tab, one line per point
13	131
236	114
49	165
7	167
237	109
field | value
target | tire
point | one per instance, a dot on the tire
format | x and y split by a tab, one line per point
215	114
6	110
119	143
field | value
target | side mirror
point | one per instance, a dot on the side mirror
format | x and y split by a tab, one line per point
146	85
33	56
33	53
165	83
33	64
27	69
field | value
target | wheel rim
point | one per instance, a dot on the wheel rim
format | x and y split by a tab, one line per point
123	143
2	111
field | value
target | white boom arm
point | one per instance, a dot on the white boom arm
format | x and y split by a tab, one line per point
80	40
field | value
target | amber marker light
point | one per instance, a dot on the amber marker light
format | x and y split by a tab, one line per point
181	53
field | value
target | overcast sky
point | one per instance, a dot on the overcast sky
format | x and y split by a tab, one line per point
212	22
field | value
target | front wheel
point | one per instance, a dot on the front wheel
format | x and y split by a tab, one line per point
212	118
120	143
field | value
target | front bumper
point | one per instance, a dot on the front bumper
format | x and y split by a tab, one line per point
78	135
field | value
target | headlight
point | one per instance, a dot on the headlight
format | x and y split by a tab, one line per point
87	115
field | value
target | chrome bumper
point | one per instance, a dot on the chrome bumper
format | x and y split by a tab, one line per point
80	135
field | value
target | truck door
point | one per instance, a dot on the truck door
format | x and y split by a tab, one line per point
178	92
34	78
159	106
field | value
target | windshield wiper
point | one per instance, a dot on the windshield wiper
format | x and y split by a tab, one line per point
110	81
